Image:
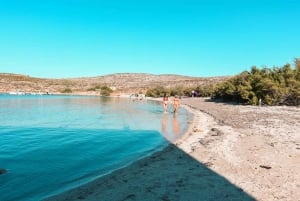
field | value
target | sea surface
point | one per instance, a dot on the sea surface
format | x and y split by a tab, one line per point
49	144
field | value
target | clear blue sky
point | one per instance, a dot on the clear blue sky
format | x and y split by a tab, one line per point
76	38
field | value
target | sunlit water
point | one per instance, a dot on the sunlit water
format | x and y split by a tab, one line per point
49	144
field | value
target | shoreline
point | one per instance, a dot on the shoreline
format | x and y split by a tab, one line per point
159	150
147	176
166	155
229	152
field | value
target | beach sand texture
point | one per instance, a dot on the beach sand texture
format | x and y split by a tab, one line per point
230	152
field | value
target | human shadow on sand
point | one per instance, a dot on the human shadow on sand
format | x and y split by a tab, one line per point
167	175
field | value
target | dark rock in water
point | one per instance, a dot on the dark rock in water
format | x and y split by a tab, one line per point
131	196
3	171
265	166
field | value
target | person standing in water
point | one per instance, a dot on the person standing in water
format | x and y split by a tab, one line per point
165	102
176	103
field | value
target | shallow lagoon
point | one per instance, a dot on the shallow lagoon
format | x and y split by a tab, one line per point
49	144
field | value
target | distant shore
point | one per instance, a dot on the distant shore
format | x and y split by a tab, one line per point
119	82
230	152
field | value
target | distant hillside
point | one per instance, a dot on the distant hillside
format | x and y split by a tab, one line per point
120	83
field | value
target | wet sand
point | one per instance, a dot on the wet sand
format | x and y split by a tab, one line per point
230	152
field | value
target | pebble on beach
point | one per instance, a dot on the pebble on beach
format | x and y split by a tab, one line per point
265	167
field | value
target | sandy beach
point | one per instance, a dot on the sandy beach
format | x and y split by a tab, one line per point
230	152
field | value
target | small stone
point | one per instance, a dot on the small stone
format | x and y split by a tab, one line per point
265	166
131	196
165	198
208	164
196	130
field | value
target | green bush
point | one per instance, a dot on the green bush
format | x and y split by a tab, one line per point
91	89
157	91
273	86
66	90
105	91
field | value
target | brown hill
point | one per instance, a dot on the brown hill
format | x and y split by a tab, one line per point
120	82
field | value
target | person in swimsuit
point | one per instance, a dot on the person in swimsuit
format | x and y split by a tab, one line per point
176	103
165	102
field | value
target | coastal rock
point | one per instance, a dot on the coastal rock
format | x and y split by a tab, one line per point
215	132
195	129
208	164
3	171
130	197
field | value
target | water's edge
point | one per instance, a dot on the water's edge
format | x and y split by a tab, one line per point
158	150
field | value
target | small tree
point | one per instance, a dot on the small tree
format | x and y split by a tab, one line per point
66	90
157	91
105	91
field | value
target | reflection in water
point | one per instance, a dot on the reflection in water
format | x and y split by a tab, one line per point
164	124
170	127
175	124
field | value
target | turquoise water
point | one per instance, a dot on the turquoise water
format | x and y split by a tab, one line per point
49	144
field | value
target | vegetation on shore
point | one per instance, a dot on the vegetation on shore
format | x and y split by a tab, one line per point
199	91
269	86
105	90
66	90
